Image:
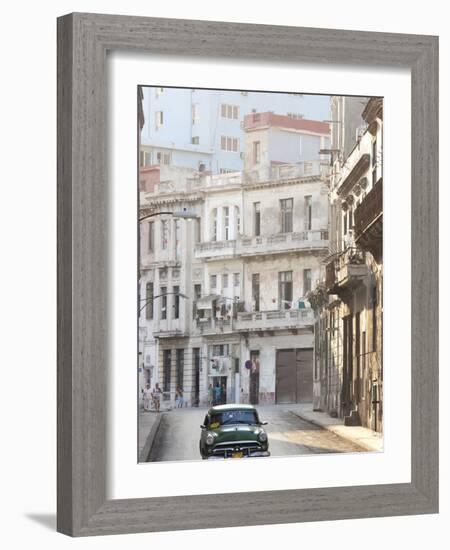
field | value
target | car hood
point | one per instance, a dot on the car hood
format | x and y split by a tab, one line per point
236	432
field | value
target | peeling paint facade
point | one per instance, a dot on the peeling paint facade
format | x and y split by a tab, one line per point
224	294
348	370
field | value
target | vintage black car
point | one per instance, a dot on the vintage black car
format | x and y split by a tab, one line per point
233	431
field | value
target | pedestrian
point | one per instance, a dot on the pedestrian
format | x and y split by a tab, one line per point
217	393
146	397
179	398
210	395
223	393
157	396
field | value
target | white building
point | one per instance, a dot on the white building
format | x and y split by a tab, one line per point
203	129
223	295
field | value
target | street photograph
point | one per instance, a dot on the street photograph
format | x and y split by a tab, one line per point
260	276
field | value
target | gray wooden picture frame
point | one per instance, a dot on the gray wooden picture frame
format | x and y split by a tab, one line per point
83	42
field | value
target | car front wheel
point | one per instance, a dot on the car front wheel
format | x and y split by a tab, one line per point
201	454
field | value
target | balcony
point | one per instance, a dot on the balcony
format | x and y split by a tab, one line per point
170	333
345	271
369	221
212	325
276	243
232	179
168	328
280	172
215	249
356	165
289	319
256	321
283	242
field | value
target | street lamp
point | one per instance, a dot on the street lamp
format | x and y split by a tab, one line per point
147	300
184	213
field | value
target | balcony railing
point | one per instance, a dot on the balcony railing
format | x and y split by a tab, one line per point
270	172
345	270
215	248
169	333
256	320
275	243
368	221
272	320
356	165
281	242
212	325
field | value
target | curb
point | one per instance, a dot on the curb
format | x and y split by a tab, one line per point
331	429
146	449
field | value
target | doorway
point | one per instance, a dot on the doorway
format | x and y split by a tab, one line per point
219	390
254	378
294	376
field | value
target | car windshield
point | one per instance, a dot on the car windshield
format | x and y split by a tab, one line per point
232	417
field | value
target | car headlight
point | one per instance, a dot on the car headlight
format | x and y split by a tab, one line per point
209	439
262	436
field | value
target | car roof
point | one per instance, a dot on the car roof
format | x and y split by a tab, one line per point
231	407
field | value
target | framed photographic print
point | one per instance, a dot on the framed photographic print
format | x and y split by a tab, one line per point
247	274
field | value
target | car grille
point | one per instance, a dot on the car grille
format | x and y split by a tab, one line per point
225	449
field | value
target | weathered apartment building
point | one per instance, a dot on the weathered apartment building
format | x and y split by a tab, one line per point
223	294
348	370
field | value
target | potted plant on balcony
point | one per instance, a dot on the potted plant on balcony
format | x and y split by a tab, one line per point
318	297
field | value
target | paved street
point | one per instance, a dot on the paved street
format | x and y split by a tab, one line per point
179	433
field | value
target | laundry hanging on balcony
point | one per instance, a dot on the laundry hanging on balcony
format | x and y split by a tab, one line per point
301	303
207	302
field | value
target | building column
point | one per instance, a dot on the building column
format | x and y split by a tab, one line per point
220	218
160	368
157	302
204	380
188	376
233	220
173	375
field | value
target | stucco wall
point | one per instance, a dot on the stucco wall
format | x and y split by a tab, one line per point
270	197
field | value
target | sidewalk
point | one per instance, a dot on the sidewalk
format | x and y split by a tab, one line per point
364	437
148	428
